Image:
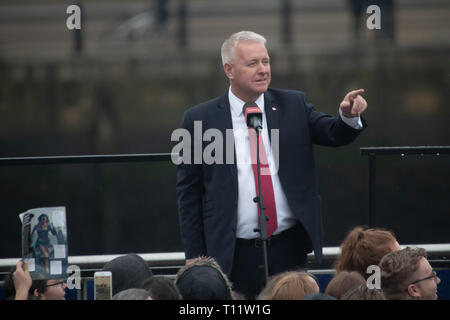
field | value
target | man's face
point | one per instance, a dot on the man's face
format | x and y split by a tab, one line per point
249	71
425	289
55	290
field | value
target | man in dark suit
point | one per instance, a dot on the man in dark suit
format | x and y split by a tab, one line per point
215	200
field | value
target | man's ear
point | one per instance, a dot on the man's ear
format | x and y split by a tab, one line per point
413	291
228	68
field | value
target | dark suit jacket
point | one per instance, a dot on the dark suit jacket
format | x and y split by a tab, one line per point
208	194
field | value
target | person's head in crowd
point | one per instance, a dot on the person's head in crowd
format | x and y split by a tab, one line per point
362	292
132	294
407	275
292	285
128	271
317	296
161	288
203	279
364	247
342	282
18	282
51	289
266	292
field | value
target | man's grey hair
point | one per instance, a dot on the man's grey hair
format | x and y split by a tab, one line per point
229	45
132	294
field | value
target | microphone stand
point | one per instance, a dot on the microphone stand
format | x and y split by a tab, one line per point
262	217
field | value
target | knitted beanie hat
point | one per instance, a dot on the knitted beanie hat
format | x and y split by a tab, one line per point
128	272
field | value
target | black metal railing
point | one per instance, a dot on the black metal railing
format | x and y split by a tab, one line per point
373	152
106	158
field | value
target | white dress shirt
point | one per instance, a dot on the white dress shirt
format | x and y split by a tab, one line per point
247	211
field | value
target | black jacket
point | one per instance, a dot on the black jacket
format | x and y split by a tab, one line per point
208	193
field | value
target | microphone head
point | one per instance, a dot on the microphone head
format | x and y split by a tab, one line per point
253	115
249	104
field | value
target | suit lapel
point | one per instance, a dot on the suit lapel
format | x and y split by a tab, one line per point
271	109
225	115
225	122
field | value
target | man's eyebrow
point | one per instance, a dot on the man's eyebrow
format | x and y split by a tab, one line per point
256	59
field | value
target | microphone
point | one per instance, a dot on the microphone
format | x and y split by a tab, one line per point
253	115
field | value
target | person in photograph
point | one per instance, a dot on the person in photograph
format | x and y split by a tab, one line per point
43	246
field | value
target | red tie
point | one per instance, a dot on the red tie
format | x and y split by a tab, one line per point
266	181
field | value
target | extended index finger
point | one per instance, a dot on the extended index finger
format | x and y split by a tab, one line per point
353	94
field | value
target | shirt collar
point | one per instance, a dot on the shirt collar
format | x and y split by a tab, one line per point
237	104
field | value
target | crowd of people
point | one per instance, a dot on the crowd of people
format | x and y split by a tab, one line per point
404	274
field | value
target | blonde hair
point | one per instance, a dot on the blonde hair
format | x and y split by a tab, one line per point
229	45
293	285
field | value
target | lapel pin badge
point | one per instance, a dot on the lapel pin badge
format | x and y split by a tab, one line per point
274	108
